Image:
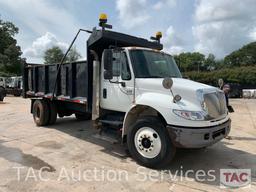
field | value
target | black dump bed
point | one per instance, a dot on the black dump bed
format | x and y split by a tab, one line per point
72	81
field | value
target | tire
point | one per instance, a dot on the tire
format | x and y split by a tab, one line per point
2	94
41	112
53	113
149	143
83	116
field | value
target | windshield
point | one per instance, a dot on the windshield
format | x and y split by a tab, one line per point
151	64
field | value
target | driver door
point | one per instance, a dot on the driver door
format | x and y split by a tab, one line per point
117	93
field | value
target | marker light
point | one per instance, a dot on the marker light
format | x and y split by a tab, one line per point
159	35
103	21
103	18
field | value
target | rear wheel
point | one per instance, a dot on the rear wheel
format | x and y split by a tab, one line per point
83	116
40	112
149	143
53	113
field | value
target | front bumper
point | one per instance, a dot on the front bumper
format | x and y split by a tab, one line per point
198	137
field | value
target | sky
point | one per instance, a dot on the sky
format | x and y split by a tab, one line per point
206	26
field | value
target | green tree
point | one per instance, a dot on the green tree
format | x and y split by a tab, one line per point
190	61
245	76
73	55
53	55
209	63
220	64
245	56
10	52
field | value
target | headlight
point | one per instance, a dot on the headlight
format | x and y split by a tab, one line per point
190	115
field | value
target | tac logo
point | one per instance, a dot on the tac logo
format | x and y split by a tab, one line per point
235	178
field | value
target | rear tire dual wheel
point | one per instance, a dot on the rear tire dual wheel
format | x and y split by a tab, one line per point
149	143
44	113
53	113
40	112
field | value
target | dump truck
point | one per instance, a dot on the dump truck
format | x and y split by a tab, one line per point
130	85
14	86
2	88
11	86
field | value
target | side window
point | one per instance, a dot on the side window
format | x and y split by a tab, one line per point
125	70
116	64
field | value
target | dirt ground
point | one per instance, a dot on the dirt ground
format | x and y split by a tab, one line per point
68	156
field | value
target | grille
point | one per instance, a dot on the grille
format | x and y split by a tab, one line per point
215	104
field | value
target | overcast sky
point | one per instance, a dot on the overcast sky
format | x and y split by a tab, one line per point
208	26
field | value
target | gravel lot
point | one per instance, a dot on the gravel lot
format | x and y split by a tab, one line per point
69	157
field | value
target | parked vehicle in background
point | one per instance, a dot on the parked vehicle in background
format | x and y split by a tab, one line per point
235	90
129	85
249	93
2	88
14	86
11	86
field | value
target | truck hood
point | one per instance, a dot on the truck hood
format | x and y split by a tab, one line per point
187	89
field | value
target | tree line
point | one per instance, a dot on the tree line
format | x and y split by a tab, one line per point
238	67
195	61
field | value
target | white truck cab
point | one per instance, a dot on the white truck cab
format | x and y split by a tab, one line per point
148	87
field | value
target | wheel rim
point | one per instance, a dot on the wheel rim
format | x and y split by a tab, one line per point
147	142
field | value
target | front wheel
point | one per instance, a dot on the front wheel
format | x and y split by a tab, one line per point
149	143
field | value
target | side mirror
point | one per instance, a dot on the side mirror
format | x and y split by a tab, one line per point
220	82
167	83
108	59
108	75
